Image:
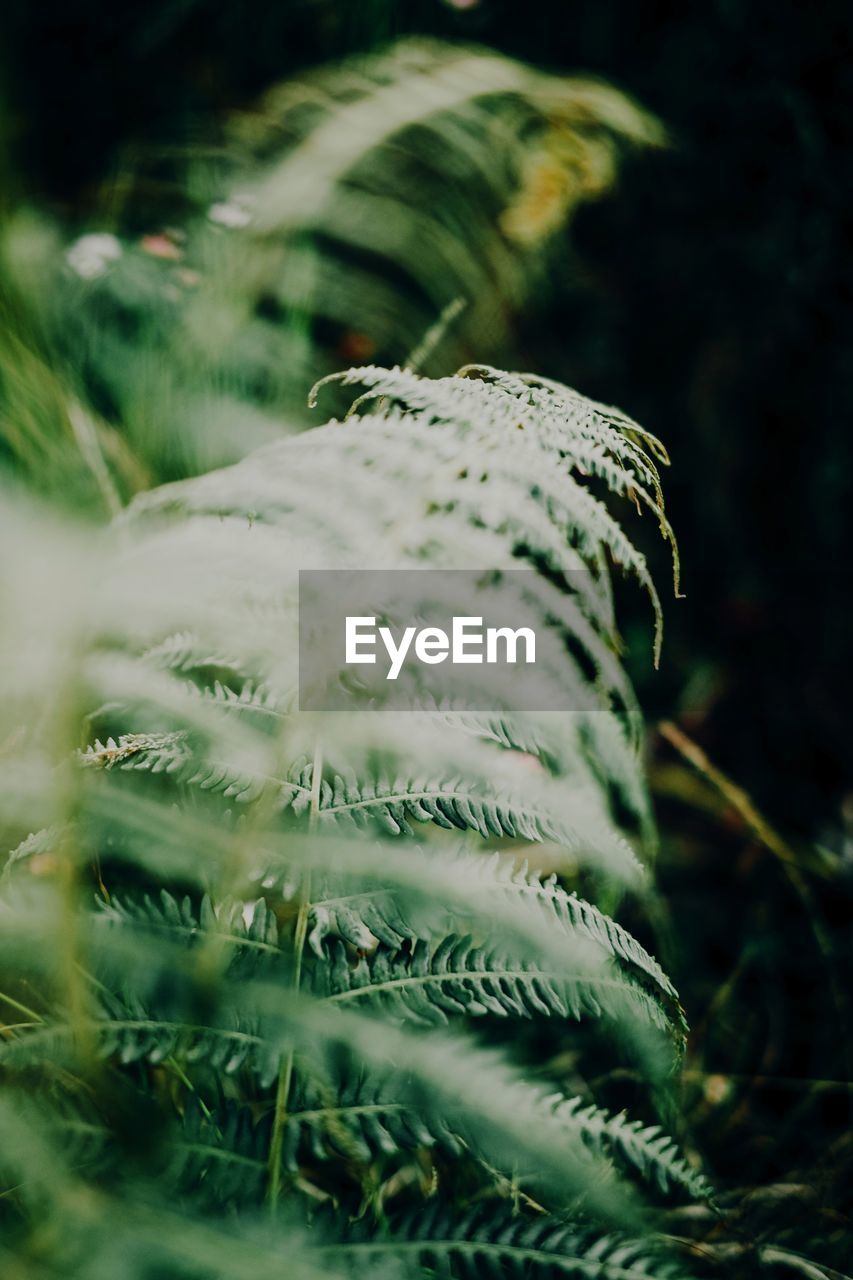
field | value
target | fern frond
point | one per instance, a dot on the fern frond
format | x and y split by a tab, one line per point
568	428
364	1119
369	1119
436	112
37	844
225	1153
359	202
427	984
185	653
350	801
249	929
425	888
500	1244
150	752
645	1148
199	941
393	804
250	699
568	746
127	1032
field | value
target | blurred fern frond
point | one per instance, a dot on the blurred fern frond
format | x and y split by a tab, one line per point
335	223
233	977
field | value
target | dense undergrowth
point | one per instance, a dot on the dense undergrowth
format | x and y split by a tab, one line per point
304	993
297	940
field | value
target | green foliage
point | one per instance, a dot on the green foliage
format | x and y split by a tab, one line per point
347	982
310	947
335	221
252	960
505	1246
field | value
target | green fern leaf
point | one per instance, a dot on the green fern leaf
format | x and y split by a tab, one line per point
499	1244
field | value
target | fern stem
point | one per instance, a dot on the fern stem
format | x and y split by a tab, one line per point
86	437
21	1008
300	934
434	335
